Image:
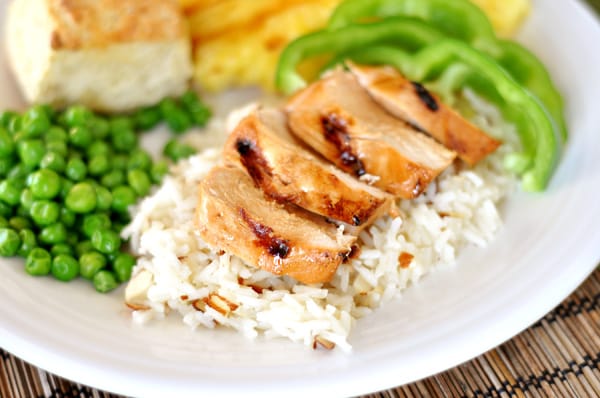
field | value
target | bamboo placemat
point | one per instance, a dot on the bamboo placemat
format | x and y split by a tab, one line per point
559	356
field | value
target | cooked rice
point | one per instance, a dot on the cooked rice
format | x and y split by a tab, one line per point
458	209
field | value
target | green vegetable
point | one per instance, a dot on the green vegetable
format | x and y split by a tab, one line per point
90	263
123	197
463	20
199	113
31	151
105	281
76	169
10	192
94	222
81	198
27	198
106	241
19	223
44	212
53	161
113	178
28	242
80	136
139	159
123	265
147	118
77	115
64	267
38	262
98	165
158	171
44	184
100	127
35	121
176	150
139	181
7	145
9	242
53	234
99	148
177	119
56	133
83	247
61	248
103	198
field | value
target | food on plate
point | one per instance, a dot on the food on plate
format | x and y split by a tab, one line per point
108	55
337	117
287	171
505	15
501	71
412	102
67	179
236	216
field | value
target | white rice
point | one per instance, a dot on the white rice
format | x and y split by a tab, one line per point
459	209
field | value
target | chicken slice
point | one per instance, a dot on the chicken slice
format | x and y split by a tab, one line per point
337	118
234	215
413	103
287	172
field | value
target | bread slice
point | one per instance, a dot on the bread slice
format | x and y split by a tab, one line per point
111	55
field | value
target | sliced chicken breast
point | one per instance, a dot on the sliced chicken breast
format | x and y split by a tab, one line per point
337	118
234	215
413	103
287	172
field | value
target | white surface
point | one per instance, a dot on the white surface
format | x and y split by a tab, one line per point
550	244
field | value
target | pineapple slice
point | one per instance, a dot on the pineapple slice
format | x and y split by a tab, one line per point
506	15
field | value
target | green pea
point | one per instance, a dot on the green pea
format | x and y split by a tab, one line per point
6	165
61	248
104	281
199	112
7	145
67	217
64	267
100	127
158	171
139	159
19	223
44	184
10	192
53	161
15	124
6	117
177	119
176	150
35	121
9	242
83	247
27	198
95	222
66	186
28	242
123	197
139	181
91	262
81	198
77	115
76	169
119	162
44	212
147	118
3	222
106	241
19	172
124	141
38	262
22	211
5	209
103	198
98	165
80	136
113	179
53	234
98	148
123	265
58	147
120	124
31	151
56	133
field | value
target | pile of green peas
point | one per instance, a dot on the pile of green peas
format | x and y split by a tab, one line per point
67	179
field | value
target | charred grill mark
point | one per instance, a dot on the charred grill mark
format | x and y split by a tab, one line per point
336	132
356	220
253	160
426	97
352	254
275	246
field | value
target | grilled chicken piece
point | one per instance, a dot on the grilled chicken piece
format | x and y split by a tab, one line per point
337	118
412	102
287	172
234	215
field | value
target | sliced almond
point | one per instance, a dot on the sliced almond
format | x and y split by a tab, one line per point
136	292
323	342
220	304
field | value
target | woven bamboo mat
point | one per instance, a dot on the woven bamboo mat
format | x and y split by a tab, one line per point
559	356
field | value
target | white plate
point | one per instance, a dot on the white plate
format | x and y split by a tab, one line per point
550	243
